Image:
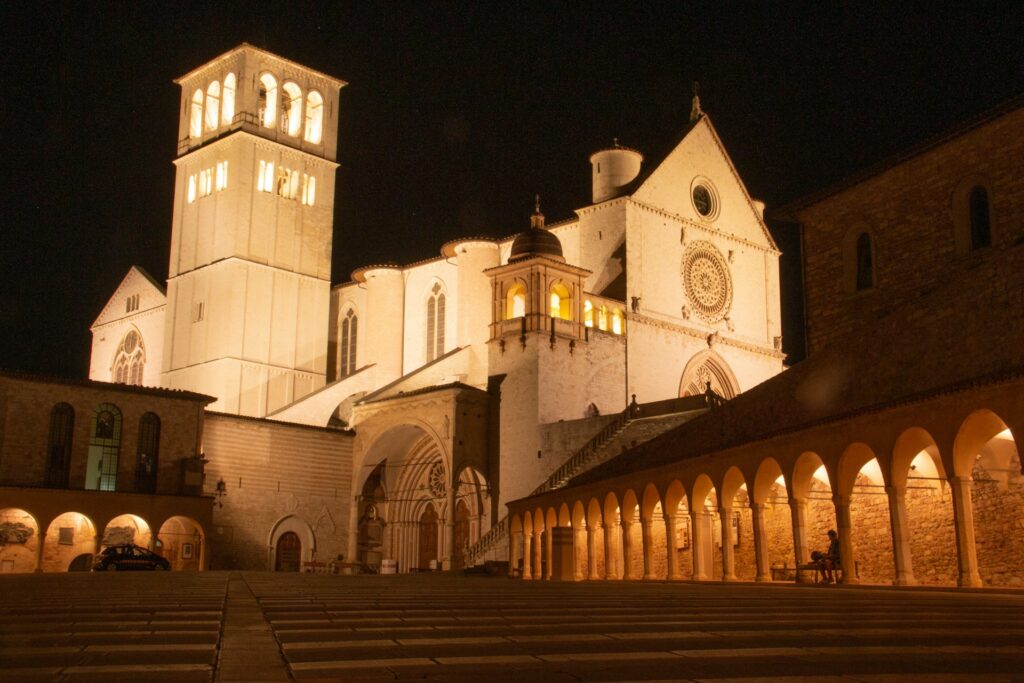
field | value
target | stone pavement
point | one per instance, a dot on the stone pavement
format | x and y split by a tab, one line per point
255	626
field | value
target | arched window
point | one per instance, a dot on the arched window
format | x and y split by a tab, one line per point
435	322
314	117
602	318
981	229
130	360
515	301
268	101
349	333
865	267
291	109
213	105
227	104
58	464
561	301
147	455
195	119
104	449
588	313
616	321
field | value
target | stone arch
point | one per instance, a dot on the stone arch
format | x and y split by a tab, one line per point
612	537
183	542
811	487
708	366
595	540
677	509
515	555
771	492
579	540
295	525
69	535
472	511
19	541
986	454
707	532
739	525
564	516
920	485
861	481
128	528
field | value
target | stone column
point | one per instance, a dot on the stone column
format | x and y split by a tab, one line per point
40	548
671	550
645	537
527	556
900	536
548	548
592	530
627	549
798	512
846	547
449	528
728	552
538	567
963	519
577	575
610	566
761	559
697	545
515	539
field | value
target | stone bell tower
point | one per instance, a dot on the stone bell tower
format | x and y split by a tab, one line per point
250	267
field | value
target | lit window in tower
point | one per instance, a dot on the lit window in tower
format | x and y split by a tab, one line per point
308	189
222	175
314	117
265	180
227	103
212	105
191	188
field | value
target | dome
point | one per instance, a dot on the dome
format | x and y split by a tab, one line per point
536	241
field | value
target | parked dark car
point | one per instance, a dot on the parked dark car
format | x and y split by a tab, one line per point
128	557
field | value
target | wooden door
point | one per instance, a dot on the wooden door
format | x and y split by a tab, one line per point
428	537
289	553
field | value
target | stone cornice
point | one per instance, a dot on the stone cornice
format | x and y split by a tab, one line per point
639	318
706	228
260	143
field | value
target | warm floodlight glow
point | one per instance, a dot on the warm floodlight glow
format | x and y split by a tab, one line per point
268	101
515	302
588	313
227	105
1005	435
872	471
291	109
923	466
781	481
821	474
212	105
616	321
195	120
314	117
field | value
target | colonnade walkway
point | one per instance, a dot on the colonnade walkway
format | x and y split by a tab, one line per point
438	627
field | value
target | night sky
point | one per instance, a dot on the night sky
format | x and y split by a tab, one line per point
454	117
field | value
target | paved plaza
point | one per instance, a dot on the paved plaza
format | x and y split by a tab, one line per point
250	626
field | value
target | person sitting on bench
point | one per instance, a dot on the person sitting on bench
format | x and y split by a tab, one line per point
829	560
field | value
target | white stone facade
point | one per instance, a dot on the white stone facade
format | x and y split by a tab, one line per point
668	281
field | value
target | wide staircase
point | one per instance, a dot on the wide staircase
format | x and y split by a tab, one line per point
633	426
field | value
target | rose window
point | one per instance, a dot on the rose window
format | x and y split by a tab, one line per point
706	281
436	482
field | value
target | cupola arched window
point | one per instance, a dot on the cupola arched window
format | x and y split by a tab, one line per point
104	449
195	119
865	266
227	105
213	105
314	117
130	359
291	109
435	322
588	313
349	333
981	229
561	301
602	318
147	455
515	301
58	463
616	321
268	101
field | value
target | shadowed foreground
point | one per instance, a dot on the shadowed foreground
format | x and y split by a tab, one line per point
278	627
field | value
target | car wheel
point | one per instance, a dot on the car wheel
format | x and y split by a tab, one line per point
111	567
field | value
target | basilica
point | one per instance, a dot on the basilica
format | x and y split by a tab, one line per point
592	398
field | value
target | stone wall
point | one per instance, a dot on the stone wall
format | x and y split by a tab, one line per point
910	211
277	477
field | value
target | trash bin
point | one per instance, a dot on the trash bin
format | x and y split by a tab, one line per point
388	567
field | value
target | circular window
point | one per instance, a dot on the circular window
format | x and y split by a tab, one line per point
706	281
131	341
702	200
436	482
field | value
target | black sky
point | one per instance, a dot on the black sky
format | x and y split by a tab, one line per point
454	117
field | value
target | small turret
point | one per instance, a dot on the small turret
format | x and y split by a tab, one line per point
613	169
537	241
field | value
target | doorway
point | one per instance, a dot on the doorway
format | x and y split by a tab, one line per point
289	553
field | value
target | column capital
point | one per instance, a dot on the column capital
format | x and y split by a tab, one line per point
669	517
595	527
